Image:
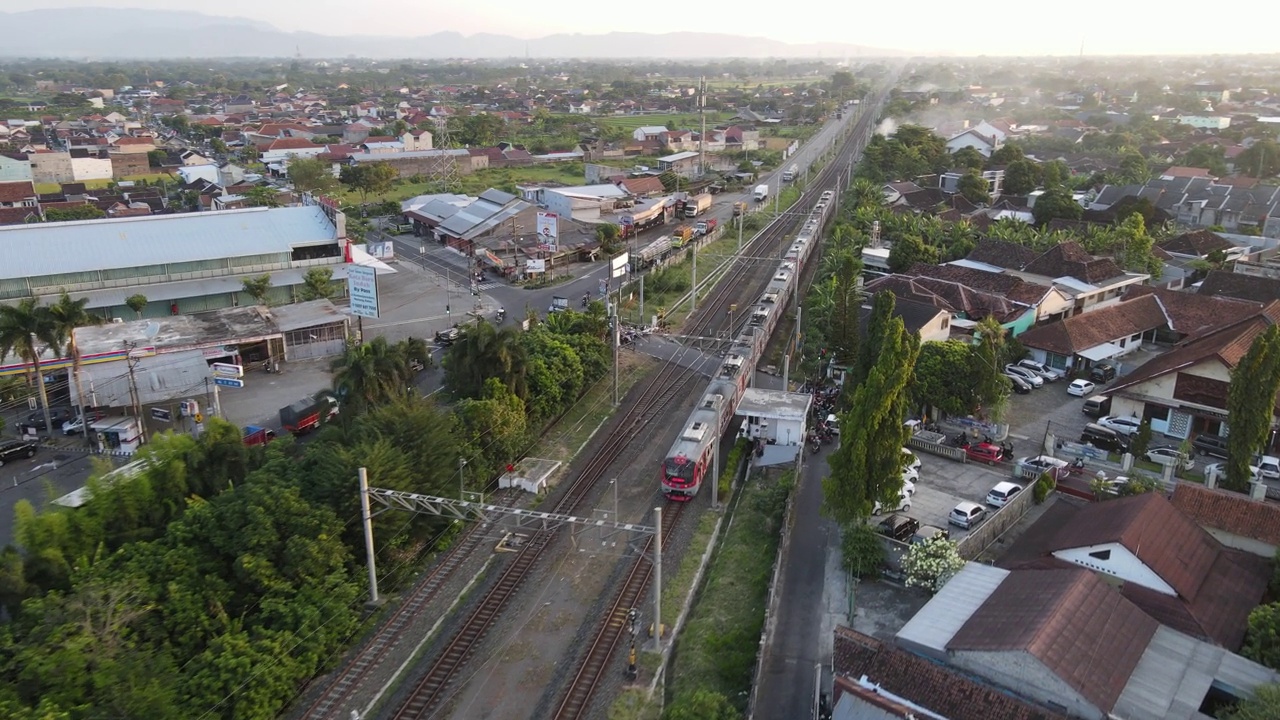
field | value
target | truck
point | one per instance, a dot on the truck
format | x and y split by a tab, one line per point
791	173
695	206
739	208
706	227
257	435
306	415
682	235
761	193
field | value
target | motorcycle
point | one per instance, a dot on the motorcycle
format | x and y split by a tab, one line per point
502	314
960	440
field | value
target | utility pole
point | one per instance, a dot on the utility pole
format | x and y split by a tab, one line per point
134	399
741	217
462	484
616	342
642	322
702	136
693	294
657	579
366	519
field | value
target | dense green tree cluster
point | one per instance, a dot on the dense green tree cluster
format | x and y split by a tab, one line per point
910	152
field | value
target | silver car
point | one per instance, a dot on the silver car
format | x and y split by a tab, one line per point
1028	375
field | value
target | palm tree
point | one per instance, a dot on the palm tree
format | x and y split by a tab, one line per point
486	352
22	326
67	315
370	374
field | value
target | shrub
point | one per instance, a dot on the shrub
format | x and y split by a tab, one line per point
668	280
932	563
1044	485
862	549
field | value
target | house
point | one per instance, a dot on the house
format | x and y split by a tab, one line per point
648	132
1198	244
1064	639
130	144
1183	392
583	203
1235	520
284	149
239	104
970	296
926	320
1076	342
895	190
684	164
949	182
14	166
18	194
417	139
1224	283
973	138
1088	281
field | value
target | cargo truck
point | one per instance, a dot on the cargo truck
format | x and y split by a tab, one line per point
682	235
257	435
790	173
306	415
739	208
761	193
706	227
695	206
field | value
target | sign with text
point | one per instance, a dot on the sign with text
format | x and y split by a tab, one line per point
161	414
362	285
548	231
384	250
535	266
228	382
227	370
618	265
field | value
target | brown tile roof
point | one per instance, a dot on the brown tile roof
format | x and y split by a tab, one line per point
1229	512
1197	242
1236	285
1192	315
1010	286
1070	620
1179	171
290	144
18	215
642	185
923	199
17	191
1069	259
1001	253
1216	587
1081	332
926	683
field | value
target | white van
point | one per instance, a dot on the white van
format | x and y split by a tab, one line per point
833	422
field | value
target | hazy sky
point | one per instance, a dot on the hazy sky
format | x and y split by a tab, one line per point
1038	27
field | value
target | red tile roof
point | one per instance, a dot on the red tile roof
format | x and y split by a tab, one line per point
136	141
1229	512
1069	259
646	185
1070	620
1197	242
291	144
1001	253
18	215
1113	322
1179	171
1192	315
925	683
17	191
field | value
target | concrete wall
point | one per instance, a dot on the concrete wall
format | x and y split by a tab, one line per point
981	537
52	167
14	170
126	164
1016	669
83	169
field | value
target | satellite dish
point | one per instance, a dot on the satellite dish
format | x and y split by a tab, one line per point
153	328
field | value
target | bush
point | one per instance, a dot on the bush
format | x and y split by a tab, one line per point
668	280
1141	440
1044	485
862	550
932	563
729	470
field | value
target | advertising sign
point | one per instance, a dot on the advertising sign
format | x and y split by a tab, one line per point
227	370
548	231
384	250
362	285
228	382
618	265
161	415
535	266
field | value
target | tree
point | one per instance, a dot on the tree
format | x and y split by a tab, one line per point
908	250
484	352
156	158
371	374
66	315
496	423
1141	440
935	383
22	328
867	467
932	563
257	288
311	175
1006	155
79	212
1209	157
1055	173
262	196
973	188
136	302
1264	705
1250	405
1056	203
1260	160
1134	169
968	157
1135	251
369	178
846	305
701	704
872	340
317	284
1262	642
1021	177
990	386
861	549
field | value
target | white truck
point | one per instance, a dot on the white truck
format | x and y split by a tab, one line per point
761	193
695	206
791	173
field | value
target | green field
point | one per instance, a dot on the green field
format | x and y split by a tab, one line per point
686	121
47	188
569	173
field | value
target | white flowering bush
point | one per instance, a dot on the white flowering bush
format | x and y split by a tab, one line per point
932	563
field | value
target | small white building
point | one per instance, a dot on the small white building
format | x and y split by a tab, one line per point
776	420
583	203
648	132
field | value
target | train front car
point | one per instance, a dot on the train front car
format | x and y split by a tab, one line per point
690	457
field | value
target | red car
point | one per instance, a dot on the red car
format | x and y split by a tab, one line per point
985	452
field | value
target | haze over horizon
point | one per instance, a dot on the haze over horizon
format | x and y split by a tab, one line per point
1126	27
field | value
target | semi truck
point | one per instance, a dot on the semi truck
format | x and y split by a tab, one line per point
306	415
791	173
695	206
761	193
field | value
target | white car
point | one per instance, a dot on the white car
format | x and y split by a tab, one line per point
1081	388
908	486
1032	378
1219	470
910	461
966	515
904	504
1268	466
1048	373
1045	463
910	476
1169	456
1002	494
1122	425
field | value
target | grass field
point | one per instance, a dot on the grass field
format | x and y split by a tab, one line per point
101	184
569	173
682	120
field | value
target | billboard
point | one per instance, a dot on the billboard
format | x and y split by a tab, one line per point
618	265
535	266
384	250
548	231
362	285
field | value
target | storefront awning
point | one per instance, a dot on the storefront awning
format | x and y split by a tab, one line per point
1104	351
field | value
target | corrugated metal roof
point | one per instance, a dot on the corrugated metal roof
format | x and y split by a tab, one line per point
87	245
932	628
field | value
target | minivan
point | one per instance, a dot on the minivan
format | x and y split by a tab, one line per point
1097	406
1214	445
1104	438
1102	372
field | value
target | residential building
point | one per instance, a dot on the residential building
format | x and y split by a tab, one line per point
1088	281
970	296
1235	520
584	203
18	194
128	164
1205	122
648	132
684	164
285	149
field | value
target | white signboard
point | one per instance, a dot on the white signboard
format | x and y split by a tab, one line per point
548	231
362	285
618	265
227	370
385	250
535	266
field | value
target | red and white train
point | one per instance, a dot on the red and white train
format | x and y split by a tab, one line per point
690	457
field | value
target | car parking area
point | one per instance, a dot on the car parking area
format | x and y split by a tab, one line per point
944	483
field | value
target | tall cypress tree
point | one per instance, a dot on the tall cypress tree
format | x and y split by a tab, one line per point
874	340
1251	400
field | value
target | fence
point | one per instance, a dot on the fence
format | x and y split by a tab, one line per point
934	448
981	537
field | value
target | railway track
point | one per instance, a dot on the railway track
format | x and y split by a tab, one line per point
575	702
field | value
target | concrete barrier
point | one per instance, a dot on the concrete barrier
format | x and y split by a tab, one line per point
981	537
933	448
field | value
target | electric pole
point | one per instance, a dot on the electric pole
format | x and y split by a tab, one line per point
134	398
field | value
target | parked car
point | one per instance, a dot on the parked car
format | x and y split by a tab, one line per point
967	515
908	485
898	527
929	532
1020	384
1044	371
1123	425
1096	406
1166	455
1268	466
1025	374
1220	470
904	505
988	453
1045	463
448	336
1214	445
910	461
1081	388
1102	372
1104	438
56	415
76	426
1002	493
16	450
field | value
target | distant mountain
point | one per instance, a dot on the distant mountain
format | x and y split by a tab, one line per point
122	33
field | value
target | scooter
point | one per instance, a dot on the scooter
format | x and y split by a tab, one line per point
502	314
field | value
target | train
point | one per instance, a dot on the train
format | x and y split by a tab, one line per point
689	460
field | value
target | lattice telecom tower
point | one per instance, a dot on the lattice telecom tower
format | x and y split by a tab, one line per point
444	175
